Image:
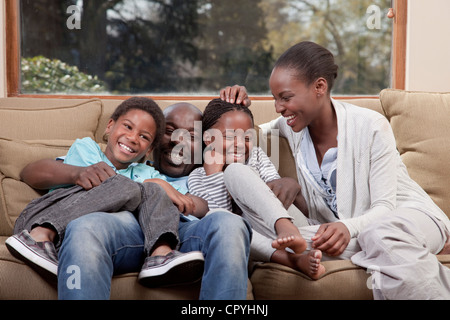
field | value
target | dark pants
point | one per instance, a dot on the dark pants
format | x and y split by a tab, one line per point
156	213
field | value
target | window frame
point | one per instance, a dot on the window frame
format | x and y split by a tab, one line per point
13	59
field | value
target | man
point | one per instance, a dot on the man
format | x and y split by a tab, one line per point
101	245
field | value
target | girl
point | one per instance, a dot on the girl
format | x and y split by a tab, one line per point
135	128
224	179
355	183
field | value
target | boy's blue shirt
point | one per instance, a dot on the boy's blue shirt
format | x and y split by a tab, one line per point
181	181
86	152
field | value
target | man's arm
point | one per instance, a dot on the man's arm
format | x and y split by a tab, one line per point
288	191
47	173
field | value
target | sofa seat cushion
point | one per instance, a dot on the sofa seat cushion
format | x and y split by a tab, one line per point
15	276
342	281
419	121
19	282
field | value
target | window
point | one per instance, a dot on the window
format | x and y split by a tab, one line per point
191	47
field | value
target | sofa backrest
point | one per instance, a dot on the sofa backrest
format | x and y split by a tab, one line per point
33	128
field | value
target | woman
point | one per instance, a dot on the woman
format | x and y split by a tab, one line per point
355	183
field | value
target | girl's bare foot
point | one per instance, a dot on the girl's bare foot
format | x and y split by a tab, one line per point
296	243
288	237
309	263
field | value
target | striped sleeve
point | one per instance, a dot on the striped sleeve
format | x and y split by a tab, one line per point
262	164
211	188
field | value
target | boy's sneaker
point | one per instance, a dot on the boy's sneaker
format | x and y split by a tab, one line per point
172	269
41	256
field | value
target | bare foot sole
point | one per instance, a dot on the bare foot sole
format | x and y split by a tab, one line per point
297	244
288	237
310	264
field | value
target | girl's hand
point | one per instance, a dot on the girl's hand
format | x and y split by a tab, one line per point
201	206
213	161
331	238
235	94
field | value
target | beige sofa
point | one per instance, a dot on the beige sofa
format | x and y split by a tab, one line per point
33	128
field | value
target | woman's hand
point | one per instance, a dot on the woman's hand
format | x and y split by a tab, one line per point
235	94
331	238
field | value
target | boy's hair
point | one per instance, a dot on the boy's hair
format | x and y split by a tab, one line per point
147	105
216	108
310	61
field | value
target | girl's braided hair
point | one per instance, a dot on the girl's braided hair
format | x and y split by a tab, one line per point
216	108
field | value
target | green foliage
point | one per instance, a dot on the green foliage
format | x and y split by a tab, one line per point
363	55
197	46
43	75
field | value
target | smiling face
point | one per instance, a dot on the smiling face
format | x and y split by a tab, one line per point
180	117
295	100
130	138
236	128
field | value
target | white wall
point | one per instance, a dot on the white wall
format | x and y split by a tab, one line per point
428	46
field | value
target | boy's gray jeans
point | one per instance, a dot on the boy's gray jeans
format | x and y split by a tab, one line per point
156	213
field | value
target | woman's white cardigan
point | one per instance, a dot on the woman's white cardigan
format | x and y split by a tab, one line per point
371	177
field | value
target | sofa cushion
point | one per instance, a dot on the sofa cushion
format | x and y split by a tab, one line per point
342	281
420	124
57	122
14	156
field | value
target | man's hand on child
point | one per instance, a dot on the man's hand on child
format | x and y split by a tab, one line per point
285	189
